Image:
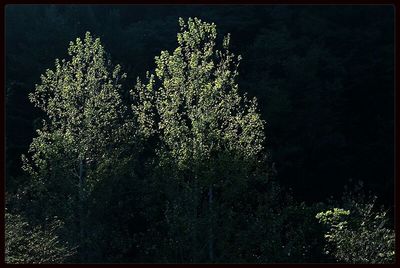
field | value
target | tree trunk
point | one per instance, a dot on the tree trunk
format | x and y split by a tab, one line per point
81	211
210	239
196	248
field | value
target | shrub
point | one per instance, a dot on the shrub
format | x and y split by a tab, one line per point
28	244
358	234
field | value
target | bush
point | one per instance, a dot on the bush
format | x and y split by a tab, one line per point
27	244
359	233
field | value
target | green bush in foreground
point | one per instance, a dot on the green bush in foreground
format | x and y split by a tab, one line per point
358	234
27	244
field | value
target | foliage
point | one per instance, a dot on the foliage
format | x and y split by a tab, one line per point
194	96
82	103
85	113
34	244
359	234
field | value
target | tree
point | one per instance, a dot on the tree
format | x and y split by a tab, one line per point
209	137
85	128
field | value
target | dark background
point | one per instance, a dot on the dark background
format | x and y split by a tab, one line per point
323	75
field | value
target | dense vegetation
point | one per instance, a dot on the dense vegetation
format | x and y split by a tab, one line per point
199	159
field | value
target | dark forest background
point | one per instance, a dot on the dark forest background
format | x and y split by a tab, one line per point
323	77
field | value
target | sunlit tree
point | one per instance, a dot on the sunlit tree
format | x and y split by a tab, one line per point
84	126
210	136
